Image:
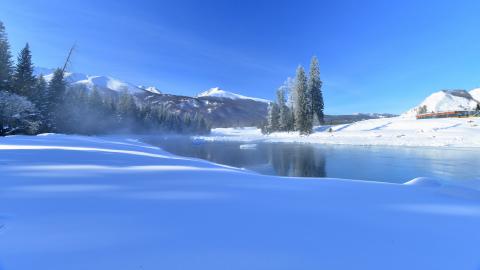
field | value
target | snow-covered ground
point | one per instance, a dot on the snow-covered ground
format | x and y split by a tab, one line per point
72	202
397	131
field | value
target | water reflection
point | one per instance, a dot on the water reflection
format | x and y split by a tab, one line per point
298	161
283	160
385	164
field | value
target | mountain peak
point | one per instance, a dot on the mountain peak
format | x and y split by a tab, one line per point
217	92
151	89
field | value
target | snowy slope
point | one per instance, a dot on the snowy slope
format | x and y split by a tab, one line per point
475	93
151	89
445	100
217	92
93	203
104	82
99	82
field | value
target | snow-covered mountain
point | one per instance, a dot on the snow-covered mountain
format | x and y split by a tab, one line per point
151	89
475	93
219	107
217	92
447	100
102	83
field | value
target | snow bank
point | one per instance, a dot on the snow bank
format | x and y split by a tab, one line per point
72	202
397	131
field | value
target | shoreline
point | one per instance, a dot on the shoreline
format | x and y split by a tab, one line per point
443	133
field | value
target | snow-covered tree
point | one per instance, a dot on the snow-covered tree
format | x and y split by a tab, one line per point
284	111
6	64
17	115
315	90
303	122
23	78
422	110
289	88
273	118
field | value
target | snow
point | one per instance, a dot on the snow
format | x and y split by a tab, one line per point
105	82
446	100
395	131
475	93
217	92
73	202
248	146
151	89
100	82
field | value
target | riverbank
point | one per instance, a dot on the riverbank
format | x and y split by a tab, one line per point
74	202
397	131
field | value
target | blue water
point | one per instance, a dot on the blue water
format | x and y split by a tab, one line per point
371	163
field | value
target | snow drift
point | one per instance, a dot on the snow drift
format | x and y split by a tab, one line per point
92	203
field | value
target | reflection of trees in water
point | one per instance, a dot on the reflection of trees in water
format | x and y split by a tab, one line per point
285	159
297	160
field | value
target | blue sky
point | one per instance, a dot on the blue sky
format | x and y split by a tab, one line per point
375	56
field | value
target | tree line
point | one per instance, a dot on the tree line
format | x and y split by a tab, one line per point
31	105
299	103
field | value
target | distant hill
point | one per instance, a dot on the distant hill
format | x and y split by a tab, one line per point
448	100
219	107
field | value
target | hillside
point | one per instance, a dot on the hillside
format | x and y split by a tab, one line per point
447	100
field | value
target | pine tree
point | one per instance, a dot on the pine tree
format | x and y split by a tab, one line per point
23	79
302	103
315	90
284	112
6	69
41	100
478	107
56	92
273	118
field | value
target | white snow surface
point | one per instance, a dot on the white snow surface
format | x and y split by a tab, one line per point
73	202
151	89
395	131
217	92
447	100
475	93
99	82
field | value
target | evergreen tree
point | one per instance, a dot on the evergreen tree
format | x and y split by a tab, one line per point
315	90
23	79
5	61
56	92
303	121
273	118
284	112
422	110
478	107
41	100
